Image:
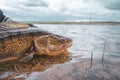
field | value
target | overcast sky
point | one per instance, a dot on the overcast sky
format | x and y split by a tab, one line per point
61	10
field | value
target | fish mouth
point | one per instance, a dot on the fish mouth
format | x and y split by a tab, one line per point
65	46
69	44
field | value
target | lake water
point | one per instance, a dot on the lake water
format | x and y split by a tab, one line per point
87	38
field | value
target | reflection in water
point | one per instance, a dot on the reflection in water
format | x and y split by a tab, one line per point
38	63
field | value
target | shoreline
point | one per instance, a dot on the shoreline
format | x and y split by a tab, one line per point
84	23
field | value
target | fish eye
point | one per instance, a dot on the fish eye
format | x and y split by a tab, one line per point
63	40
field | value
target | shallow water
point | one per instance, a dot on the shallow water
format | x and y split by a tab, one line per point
87	38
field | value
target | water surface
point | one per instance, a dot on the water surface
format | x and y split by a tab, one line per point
87	38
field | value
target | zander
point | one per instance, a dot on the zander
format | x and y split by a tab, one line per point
21	39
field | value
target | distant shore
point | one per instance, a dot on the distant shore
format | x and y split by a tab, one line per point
84	23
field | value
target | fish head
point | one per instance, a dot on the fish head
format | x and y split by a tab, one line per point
52	44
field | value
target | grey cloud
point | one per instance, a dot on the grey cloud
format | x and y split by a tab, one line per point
59	10
35	3
113	6
110	4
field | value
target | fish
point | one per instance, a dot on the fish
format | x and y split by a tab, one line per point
20	41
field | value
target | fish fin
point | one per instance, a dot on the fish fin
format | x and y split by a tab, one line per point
27	58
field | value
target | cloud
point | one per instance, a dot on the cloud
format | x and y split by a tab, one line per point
59	10
35	4
111	4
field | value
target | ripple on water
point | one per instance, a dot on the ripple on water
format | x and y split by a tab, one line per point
86	39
